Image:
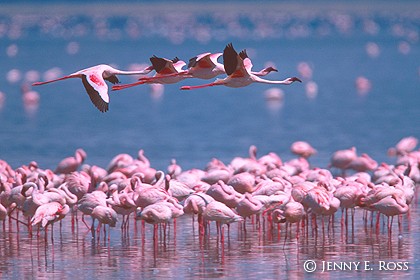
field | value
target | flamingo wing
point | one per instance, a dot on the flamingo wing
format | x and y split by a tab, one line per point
178	65
113	79
163	65
202	60
235	65
97	89
230	59
213	57
247	64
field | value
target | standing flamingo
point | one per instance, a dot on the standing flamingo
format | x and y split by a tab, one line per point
303	149
71	164
341	159
49	213
238	68
166	73
404	146
222	214
93	79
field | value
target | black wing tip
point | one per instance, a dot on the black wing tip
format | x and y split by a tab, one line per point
230	59
175	60
192	62
243	54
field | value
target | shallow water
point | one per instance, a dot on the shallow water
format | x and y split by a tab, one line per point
261	251
196	126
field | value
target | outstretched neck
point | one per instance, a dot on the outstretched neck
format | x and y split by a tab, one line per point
287	81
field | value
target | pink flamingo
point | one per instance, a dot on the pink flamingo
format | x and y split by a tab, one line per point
291	212
122	203
350	194
119	161
166	73
161	212
242	182
303	149
3	212
30	98
79	183
71	164
195	204
404	146
105	215
177	189
225	193
250	164
341	159
174	169
222	214
93	79
391	206
272	186
146	194
249	206
89	201
363	163
238	68
49	213
270	160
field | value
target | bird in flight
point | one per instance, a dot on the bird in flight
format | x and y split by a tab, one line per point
93	79
167	72
238	68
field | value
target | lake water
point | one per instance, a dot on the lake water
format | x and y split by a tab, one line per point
377	41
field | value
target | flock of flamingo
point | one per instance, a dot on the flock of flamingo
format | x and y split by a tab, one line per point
290	192
237	67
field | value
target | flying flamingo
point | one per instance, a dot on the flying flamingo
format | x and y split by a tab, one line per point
205	66
166	73
238	68
93	79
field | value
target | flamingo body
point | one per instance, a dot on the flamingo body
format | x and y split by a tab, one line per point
93	79
238	68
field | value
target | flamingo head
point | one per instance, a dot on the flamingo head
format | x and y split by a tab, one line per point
294	79
270	69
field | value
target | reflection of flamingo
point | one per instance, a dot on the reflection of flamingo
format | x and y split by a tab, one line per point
93	79
238	68
71	164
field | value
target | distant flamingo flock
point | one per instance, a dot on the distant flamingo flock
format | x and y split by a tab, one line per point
265	187
169	71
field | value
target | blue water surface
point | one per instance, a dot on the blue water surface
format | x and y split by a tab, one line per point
195	126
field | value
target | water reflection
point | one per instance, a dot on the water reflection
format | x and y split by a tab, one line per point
252	249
